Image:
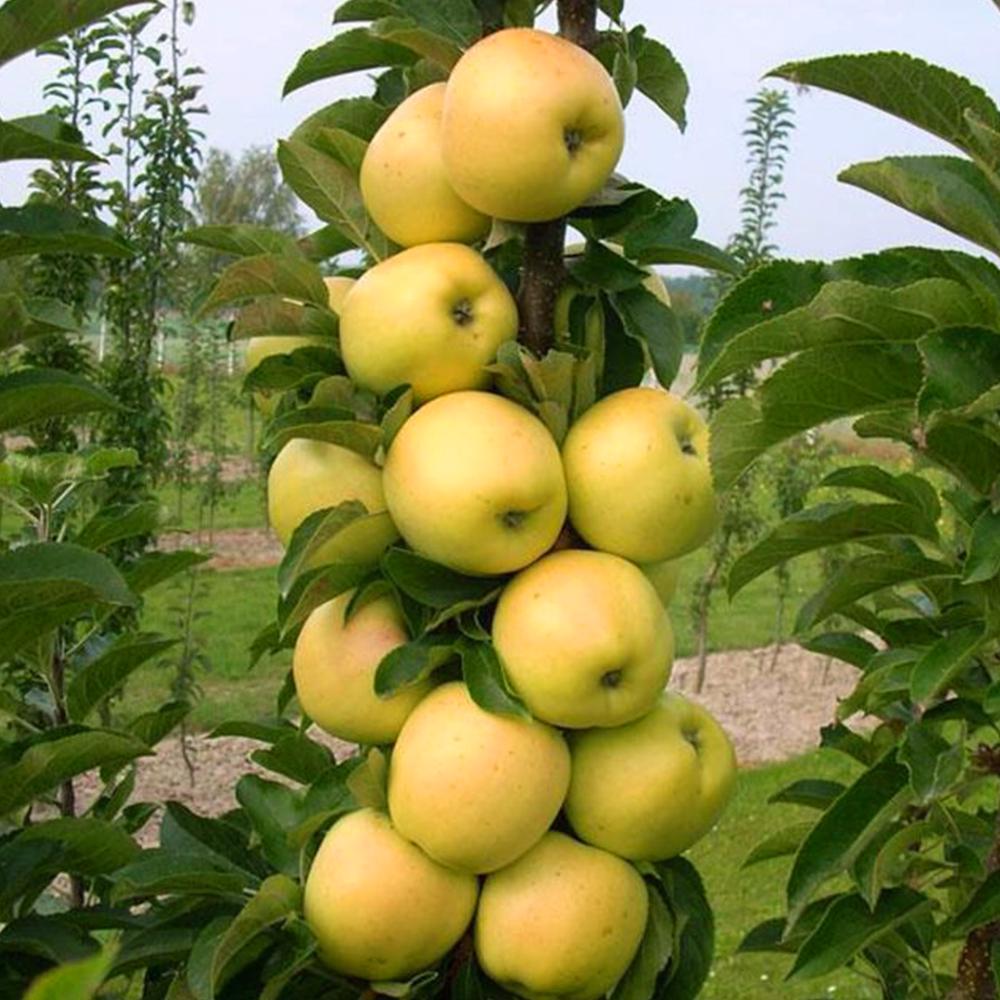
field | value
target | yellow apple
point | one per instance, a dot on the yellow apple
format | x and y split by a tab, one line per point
638	476
334	666
474	481
380	909
432	316
474	789
584	639
664	576
403	182
649	790
310	475
258	348
532	125
565	920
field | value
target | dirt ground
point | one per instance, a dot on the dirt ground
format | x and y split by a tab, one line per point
770	712
234	548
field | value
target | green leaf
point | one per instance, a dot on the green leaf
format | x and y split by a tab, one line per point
816	793
186	832
273	810
88	846
332	191
161	872
277	900
151	727
34	394
849	926
103	676
927	96
982	908
324	423
484	677
938	668
412	662
824	525
63	755
315	587
934	763
153	568
408	33
947	190
241	240
885	858
963	371
268	274
302	368
79	980
324	243
655	951
653	323
847	313
296	757
346	53
779	844
311	536
844	646
22	319
345	147
112	524
368	782
660	77
906	487
399	409
42	137
432	584
982	561
694	941
24	25
865	575
774	289
361	116
53	229
845	829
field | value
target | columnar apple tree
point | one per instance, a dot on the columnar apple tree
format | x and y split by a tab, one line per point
482	509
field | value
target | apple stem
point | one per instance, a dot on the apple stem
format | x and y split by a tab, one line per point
543	272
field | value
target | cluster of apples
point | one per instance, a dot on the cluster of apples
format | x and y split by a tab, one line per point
587	537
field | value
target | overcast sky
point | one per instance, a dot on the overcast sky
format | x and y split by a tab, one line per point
247	48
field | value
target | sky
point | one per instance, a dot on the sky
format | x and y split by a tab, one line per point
247	47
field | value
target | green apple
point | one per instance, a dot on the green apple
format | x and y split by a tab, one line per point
565	920
473	788
334	666
584	639
532	125
474	481
649	790
380	909
310	475
638	476
403	181
431	317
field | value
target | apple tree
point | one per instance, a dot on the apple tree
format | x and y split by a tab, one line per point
363	395
897	875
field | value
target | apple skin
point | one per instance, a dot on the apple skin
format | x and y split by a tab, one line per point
664	576
649	790
334	666
258	348
379	907
638	476
432	316
565	920
512	102
309	475
403	182
474	481
584	639
472	788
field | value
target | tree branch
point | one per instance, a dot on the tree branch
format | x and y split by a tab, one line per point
543	272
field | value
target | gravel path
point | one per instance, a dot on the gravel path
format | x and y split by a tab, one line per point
771	713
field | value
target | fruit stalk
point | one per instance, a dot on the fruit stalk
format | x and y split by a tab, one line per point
543	272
